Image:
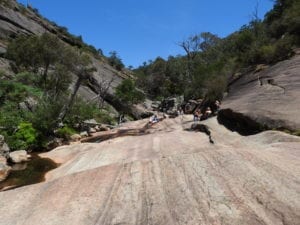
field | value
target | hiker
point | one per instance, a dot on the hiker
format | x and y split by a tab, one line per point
181	112
206	114
153	119
217	106
121	119
197	115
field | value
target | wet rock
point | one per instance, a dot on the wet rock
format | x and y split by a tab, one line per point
18	156
19	166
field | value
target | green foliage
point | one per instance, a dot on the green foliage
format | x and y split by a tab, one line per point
297	133
127	92
25	137
27	78
80	111
115	61
216	86
102	116
209	60
65	132
38	53
44	116
10	117
15	91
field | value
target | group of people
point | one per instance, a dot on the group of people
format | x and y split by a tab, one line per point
199	116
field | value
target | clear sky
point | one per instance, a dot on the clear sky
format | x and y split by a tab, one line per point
140	30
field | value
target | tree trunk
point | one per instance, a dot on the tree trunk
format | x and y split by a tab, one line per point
68	105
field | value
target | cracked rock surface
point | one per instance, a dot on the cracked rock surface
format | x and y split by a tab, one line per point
169	176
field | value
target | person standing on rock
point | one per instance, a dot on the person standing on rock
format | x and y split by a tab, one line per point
217	106
206	114
197	115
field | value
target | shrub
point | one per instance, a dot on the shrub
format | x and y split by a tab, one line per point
44	116
103	116
127	92
27	78
25	137
267	53
216	87
65	132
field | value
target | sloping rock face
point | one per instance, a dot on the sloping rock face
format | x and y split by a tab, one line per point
16	19
270	97
169	176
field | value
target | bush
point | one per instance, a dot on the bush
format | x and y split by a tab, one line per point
65	132
44	116
115	61
103	116
127	92
25	137
267	53
27	78
216	87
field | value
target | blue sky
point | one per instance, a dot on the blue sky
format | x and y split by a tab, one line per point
140	30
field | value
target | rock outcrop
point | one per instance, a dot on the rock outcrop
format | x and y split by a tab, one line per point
18	156
268	96
169	176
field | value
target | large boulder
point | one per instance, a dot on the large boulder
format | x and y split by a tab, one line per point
18	156
269	96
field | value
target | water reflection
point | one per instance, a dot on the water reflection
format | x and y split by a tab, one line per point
27	173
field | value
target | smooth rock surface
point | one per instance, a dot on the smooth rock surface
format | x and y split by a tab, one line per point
270	97
169	176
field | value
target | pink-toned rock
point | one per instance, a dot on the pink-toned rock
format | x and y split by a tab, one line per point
170	176
269	96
